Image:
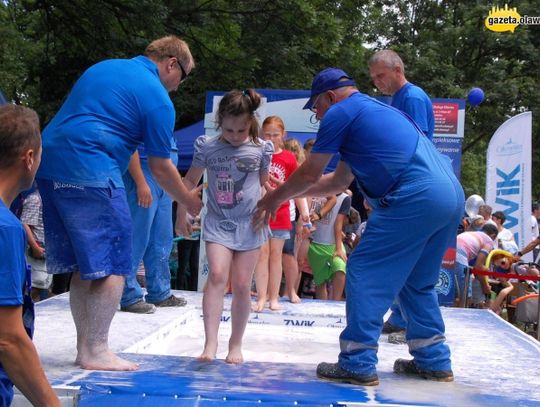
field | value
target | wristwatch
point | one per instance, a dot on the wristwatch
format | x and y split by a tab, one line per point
519	254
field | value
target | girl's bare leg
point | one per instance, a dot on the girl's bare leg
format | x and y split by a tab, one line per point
242	272
338	285
276	272
261	278
219	265
290	268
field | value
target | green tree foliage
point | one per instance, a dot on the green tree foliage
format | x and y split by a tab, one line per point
46	45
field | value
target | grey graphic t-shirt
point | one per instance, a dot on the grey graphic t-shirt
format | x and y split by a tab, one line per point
233	190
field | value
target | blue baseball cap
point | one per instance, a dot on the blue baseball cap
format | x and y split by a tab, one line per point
328	79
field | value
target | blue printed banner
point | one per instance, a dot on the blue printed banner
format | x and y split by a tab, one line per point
508	176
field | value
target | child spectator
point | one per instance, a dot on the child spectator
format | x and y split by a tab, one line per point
326	254
269	270
472	249
505	238
20	156
502	264
237	164
300	228
32	219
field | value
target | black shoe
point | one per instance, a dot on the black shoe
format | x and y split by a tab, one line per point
140	307
388	328
408	367
172	301
332	372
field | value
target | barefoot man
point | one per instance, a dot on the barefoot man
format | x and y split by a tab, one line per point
114	106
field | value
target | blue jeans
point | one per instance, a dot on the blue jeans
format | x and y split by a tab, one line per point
152	243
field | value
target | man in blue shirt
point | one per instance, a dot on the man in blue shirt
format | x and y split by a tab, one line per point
114	106
388	74
20	155
417	203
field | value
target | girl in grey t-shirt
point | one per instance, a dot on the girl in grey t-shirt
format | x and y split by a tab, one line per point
237	164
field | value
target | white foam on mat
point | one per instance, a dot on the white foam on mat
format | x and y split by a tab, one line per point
489	357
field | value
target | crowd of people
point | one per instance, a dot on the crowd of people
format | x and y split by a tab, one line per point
104	198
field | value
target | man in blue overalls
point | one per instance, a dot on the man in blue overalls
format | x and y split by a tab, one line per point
417	204
387	72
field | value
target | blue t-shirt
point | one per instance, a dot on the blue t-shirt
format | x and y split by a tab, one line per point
374	139
114	106
12	277
416	103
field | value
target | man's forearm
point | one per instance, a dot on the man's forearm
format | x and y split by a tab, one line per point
529	247
21	362
169	179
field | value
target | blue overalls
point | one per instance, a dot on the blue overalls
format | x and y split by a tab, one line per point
400	256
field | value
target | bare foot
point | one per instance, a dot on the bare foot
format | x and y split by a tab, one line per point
274	305
496	310
235	355
294	298
208	354
258	306
105	361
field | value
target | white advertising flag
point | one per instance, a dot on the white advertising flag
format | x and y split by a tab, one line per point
508	176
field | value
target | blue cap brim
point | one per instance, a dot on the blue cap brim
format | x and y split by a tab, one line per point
310	101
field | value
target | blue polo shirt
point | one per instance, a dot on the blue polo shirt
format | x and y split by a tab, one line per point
113	107
12	278
374	139
412	100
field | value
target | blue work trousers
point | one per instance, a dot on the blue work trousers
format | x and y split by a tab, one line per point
152	243
400	256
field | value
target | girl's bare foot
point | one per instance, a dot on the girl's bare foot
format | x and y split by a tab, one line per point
105	361
294	298
208	354
274	305
258	306
235	355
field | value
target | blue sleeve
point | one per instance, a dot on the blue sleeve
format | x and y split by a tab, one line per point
158	131
332	131
12	266
416	108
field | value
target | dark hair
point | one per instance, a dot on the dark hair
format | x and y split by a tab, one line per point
19	131
499	215
237	103
535	206
490	229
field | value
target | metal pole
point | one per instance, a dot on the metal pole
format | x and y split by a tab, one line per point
538	315
465	294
